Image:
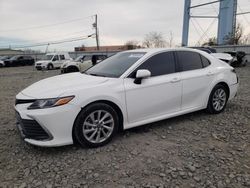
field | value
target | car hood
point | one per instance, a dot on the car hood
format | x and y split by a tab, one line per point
68	62
62	84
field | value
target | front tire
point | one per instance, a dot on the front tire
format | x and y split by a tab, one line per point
50	67
217	99
72	69
96	125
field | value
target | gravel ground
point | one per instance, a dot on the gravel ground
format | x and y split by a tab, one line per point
194	150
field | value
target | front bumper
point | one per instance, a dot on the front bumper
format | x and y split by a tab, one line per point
53	126
31	129
40	67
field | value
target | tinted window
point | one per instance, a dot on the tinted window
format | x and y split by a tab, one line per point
205	61
159	64
27	57
55	58
189	60
116	65
101	57
62	57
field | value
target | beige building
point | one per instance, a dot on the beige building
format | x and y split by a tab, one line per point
8	51
106	48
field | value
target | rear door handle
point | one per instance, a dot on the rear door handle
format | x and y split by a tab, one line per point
210	73
175	80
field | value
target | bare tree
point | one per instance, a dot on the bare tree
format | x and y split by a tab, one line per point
236	38
211	42
171	39
132	44
154	40
245	39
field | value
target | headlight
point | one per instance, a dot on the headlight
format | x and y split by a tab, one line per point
48	103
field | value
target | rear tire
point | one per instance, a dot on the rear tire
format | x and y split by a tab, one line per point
217	99
96	125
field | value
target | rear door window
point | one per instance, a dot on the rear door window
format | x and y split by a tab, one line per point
62	57
205	61
189	60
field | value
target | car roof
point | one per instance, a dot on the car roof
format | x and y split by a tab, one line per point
157	50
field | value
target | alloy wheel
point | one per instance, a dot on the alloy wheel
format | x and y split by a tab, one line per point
98	126
219	99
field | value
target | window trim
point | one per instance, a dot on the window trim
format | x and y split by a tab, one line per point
130	75
203	66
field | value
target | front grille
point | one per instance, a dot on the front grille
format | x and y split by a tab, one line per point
31	129
23	101
39	67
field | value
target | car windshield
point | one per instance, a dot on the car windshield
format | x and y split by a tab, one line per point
48	57
78	59
14	58
3	57
116	65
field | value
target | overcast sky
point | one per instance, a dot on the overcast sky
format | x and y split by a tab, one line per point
24	22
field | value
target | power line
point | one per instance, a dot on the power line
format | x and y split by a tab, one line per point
201	28
48	25
53	36
243	15
53	42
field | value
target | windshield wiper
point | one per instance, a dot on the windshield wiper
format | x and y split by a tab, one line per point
92	74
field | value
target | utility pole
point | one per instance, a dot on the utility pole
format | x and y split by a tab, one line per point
47	48
96	33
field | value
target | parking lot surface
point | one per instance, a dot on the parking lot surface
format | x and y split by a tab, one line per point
193	150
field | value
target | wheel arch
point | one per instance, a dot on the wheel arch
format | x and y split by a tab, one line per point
226	86
108	102
72	67
48	64
221	82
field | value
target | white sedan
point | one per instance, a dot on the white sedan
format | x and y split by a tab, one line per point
129	89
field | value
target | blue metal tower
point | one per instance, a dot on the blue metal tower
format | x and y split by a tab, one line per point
226	23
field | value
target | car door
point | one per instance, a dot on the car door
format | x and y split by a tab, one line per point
20	61
196	76
26	60
62	60
86	63
157	95
56	61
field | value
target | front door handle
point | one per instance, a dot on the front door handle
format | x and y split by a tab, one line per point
175	80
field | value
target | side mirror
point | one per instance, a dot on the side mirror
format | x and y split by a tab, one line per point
141	74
